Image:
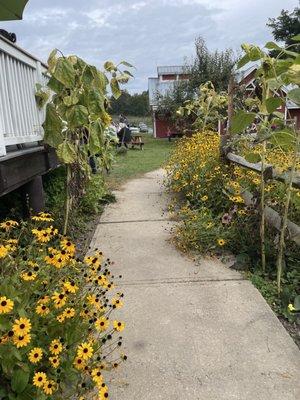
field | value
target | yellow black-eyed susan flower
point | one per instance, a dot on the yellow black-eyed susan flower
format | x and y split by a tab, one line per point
39	379
68	246
21	326
3	251
102	324
44	300
119	326
54	361
28	276
69	312
79	363
85	351
61	318
59	299
46	217
117	303
21	340
42	309
55	347
35	355
6	305
97	376
49	387
8	225
103	393
70	287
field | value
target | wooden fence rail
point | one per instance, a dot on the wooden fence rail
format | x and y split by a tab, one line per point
270	171
272	217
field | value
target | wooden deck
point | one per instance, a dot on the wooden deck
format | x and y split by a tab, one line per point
20	167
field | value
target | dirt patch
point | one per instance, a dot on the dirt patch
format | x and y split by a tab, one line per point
293	329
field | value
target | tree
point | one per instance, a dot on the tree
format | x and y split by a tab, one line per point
215	66
127	104
170	102
286	26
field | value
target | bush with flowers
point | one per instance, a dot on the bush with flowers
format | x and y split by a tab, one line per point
212	213
58	337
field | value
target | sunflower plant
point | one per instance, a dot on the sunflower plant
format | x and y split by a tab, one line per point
58	336
272	76
77	116
208	108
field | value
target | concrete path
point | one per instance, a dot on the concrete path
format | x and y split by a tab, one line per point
193	332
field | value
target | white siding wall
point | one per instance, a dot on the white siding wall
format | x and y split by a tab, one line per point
20	118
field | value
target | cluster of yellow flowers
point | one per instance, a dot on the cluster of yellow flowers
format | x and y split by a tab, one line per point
214	208
55	312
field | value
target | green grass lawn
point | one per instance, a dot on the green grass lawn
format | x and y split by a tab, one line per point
137	162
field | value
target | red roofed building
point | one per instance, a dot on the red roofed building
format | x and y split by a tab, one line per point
167	78
289	109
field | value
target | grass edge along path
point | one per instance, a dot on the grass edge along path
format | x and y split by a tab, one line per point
136	162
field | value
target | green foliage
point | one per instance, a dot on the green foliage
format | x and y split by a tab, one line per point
207	108
294	95
19	380
215	67
170	102
91	203
41	96
241	120
211	66
130	104
285	26
77	117
271	75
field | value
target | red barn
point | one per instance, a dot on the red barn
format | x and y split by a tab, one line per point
290	110
167	77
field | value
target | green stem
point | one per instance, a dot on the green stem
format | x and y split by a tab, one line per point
262	208
206	115
68	200
281	244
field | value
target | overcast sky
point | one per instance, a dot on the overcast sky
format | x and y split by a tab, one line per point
146	33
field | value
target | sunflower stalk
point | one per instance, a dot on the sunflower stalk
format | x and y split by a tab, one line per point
68	199
262	208
281	244
265	95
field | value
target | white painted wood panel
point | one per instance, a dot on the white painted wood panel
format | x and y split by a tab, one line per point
20	119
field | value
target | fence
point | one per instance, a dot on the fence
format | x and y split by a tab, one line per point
20	118
269	173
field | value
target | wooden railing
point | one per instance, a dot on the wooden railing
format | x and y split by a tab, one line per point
20	118
272	216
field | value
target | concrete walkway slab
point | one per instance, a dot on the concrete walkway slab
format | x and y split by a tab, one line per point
193	331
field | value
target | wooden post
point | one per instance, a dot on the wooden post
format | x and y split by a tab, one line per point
33	196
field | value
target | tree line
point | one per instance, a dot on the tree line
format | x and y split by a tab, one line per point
130	104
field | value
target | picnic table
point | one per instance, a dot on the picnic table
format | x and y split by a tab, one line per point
137	140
